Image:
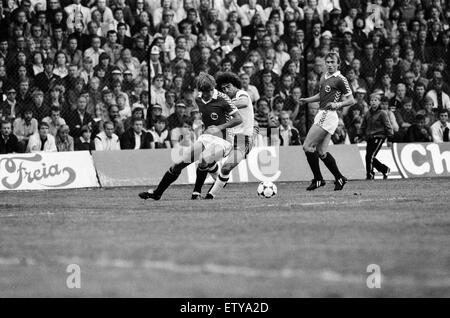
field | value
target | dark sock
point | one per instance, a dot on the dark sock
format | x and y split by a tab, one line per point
330	163
169	177
200	180
313	160
213	168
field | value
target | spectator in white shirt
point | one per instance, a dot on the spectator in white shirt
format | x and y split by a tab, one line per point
107	15
42	141
439	95
440	130
77	11
54	121
107	140
94	51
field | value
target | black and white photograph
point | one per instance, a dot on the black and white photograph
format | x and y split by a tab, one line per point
220	154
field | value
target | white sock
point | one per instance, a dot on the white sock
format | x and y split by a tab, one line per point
219	184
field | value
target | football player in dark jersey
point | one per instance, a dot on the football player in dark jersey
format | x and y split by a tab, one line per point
334	94
218	114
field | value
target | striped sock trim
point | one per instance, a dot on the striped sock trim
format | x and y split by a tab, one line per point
224	178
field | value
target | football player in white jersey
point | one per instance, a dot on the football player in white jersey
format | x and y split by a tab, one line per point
230	84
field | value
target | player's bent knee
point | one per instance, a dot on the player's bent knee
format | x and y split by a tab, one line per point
308	148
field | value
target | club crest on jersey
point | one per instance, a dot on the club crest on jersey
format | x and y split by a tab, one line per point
214	116
327	88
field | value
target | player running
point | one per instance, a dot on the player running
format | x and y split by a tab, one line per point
218	114
334	94
230	84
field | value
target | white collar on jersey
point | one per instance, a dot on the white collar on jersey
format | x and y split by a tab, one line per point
214	96
327	76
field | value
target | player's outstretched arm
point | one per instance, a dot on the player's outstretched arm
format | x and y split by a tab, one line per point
311	99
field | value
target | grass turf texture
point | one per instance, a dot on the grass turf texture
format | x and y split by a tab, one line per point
293	245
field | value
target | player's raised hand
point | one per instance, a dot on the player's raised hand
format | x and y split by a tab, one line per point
302	101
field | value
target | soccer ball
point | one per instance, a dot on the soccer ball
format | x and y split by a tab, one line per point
267	189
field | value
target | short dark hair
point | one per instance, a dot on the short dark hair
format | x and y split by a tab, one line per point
55	109
4	122
419	117
442	111
228	78
43	124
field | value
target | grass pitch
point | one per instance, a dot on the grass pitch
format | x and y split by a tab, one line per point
297	244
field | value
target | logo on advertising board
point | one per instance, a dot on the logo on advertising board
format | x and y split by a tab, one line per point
47	170
20	170
422	159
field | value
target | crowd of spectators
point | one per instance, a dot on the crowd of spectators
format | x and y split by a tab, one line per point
120	74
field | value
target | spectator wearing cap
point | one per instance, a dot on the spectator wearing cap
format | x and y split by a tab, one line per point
64	142
178	117
9	143
84	142
45	78
360	100
107	140
155	64
242	50
42	140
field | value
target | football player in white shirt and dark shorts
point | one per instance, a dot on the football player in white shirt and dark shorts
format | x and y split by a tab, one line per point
334	94
244	134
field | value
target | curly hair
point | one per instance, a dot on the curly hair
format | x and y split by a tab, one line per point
224	78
